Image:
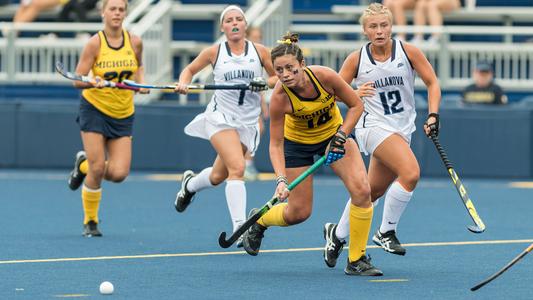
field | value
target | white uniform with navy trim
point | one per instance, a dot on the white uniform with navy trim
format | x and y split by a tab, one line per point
393	105
232	109
392	108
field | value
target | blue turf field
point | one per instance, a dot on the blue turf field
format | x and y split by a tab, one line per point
150	252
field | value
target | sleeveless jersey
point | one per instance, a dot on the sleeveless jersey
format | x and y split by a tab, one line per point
113	64
393	105
242	107
313	120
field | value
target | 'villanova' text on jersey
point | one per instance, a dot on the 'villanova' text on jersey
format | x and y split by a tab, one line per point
239	74
392	107
238	106
388	81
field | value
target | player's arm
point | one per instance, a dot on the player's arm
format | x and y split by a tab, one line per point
426	72
205	58
279	106
424	69
137	45
267	64
86	62
349	67
343	93
349	71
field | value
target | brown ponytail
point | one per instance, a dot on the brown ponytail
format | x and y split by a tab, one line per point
288	45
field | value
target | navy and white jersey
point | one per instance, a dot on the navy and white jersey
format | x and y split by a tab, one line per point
393	105
242	107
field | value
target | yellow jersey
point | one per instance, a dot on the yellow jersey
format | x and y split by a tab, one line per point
113	64
312	120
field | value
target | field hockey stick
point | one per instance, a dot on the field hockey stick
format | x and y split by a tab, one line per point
479	226
258	83
60	68
263	210
500	272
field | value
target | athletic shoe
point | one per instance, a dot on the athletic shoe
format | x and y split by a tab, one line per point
76	177
240	242
91	229
184	197
253	236
389	242
333	247
362	267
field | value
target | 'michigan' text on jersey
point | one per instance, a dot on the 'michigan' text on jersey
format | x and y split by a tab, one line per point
313	120
113	64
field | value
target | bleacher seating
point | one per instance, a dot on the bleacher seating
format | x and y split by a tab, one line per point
195	22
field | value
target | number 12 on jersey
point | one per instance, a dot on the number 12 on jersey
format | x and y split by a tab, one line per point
394	97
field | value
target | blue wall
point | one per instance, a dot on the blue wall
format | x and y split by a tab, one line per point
480	141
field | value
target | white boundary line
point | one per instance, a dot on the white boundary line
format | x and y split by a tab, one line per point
195	254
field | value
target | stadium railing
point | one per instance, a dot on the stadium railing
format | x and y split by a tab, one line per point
27	60
453	61
505	14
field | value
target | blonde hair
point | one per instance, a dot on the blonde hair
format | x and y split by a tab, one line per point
104	3
375	9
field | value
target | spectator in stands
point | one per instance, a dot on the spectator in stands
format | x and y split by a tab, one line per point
106	114
484	90
29	10
398	8
255	35
76	10
230	119
430	12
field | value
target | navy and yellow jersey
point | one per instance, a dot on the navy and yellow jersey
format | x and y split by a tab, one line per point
113	64
312	120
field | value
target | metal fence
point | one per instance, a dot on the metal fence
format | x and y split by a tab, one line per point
27	60
453	61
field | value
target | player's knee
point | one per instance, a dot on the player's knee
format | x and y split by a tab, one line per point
237	170
118	176
298	216
360	189
97	169
217	178
410	179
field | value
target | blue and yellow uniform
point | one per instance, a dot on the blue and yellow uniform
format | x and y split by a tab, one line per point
110	111
311	125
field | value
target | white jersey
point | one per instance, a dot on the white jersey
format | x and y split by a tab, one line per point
393	105
241	107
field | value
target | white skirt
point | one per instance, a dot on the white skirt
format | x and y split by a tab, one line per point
368	139
207	124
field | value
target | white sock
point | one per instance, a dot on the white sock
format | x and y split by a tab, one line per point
343	227
395	202
200	181
236	198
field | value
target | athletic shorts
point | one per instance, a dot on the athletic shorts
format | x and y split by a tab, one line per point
301	155
368	139
91	119
207	124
